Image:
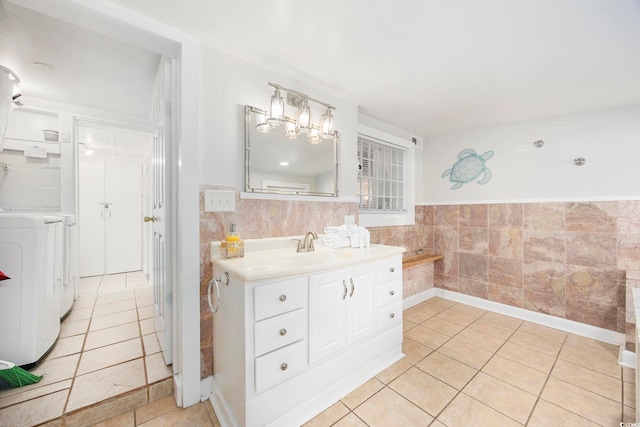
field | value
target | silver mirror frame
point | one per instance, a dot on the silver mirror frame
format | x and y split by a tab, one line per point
249	188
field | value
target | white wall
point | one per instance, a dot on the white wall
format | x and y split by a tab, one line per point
227	84
400	133
609	140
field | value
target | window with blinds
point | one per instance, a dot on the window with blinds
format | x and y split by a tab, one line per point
381	181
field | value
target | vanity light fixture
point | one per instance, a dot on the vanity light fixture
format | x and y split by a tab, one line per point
276	110
314	136
326	125
304	117
302	122
291	132
262	124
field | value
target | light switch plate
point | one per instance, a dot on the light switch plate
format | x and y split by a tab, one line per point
219	201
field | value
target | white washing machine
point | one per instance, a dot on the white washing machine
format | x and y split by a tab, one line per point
65	268
68	275
30	315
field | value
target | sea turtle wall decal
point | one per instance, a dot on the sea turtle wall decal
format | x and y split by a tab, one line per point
469	167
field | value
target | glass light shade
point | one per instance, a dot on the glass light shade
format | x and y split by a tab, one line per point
314	137
262	125
304	118
290	130
326	125
276	110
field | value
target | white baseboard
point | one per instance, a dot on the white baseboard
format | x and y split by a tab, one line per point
416	299
220	406
177	390
206	385
625	358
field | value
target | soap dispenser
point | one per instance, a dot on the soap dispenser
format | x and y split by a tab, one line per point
232	246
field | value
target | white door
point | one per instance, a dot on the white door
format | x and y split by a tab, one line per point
327	314
110	211
123	226
160	219
362	319
91	217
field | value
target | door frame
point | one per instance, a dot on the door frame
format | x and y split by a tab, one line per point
123	24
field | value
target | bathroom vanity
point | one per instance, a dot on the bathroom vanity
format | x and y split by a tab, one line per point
295	332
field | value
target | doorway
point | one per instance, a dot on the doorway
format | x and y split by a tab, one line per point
111	198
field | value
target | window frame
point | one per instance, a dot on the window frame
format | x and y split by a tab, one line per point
391	218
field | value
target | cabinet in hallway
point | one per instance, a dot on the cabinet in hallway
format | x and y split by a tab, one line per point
110	216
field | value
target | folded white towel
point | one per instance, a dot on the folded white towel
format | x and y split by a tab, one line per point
336	241
341	231
344	236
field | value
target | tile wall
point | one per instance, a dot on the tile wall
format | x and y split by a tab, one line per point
574	260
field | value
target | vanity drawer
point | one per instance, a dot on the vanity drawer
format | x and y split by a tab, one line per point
280	365
389	292
279	297
390	269
389	315
279	331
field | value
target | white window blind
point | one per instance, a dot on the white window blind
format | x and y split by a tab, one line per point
382	179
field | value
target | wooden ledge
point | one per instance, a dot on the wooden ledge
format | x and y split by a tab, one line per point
412	261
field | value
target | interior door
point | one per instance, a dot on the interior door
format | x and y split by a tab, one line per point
91	217
123	232
160	219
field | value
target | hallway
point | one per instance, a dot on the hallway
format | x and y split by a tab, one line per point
107	348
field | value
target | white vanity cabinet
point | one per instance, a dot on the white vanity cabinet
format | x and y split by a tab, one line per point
342	309
287	347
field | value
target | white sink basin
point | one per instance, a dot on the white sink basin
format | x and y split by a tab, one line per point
321	257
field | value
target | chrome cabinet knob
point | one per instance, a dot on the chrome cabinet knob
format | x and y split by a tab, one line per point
283	332
392	315
392	269
392	293
283	298
284	366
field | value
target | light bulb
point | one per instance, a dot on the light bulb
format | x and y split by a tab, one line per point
291	132
262	125
304	117
326	125
314	137
276	110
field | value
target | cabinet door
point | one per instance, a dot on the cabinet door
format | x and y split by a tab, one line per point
328	294
362	312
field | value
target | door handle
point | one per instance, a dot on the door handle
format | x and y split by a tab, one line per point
149	219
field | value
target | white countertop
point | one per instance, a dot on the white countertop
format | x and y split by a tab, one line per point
276	257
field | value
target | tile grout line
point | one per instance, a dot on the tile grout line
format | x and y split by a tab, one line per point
474	375
84	342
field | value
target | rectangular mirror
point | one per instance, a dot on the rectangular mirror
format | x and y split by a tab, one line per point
277	165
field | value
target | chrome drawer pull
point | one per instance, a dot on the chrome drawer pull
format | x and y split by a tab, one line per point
283	332
283	298
392	293
392	315
344	284
284	366
392	269
353	287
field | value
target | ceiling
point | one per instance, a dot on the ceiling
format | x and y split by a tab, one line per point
426	66
64	63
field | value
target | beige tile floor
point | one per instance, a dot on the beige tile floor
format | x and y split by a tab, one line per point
463	366
107	348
